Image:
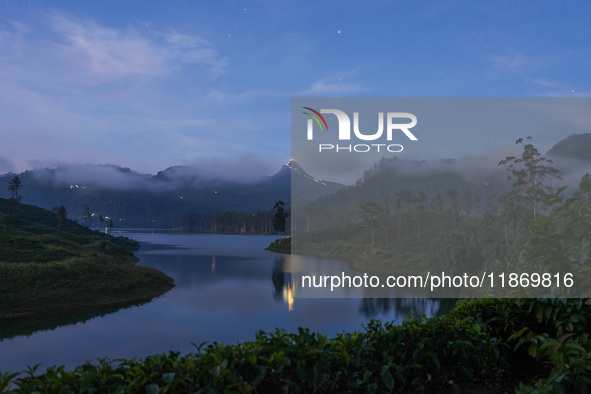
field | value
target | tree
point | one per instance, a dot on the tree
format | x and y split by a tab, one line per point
86	213
13	186
62	214
439	201
491	202
467	201
279	217
371	212
561	240
403	200
533	176
477	202
452	195
110	224
101	220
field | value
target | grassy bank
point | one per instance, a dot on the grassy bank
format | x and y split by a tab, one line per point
45	269
488	345
282	245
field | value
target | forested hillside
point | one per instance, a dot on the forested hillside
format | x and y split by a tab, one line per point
534	226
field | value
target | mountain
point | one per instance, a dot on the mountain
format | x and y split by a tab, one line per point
400	185
472	185
575	147
306	187
133	199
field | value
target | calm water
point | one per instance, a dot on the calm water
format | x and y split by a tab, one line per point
227	288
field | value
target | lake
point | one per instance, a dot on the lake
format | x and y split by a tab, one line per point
227	288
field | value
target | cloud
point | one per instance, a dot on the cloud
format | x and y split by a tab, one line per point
108	52
94	175
245	168
557	89
509	62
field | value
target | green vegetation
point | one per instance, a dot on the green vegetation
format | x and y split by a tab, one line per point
279	217
282	245
226	223
531	229
50	264
487	345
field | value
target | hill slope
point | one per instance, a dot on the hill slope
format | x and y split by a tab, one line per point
574	147
44	269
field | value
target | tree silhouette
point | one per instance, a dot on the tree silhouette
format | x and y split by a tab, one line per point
439	201
533	176
370	212
452	195
14	186
86	213
279	217
467	201
62	214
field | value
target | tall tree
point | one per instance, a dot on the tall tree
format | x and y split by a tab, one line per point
86	213
370	213
279	216
14	186
439	201
452	195
467	201
62	214
561	239
532	176
404	200
477	202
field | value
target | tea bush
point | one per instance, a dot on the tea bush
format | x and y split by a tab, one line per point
528	346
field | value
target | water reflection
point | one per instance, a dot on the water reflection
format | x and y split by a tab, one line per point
285	286
227	288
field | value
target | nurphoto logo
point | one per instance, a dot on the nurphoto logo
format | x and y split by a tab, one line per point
392	126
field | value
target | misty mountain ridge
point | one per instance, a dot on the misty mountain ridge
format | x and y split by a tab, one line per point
136	199
111	190
575	147
145	200
306	187
120	178
474	182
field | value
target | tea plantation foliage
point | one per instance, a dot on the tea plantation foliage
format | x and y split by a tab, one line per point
502	345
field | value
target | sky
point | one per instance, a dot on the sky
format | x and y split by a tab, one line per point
149	84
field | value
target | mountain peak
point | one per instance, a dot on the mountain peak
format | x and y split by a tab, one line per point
294	166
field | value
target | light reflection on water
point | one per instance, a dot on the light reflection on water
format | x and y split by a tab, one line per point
227	288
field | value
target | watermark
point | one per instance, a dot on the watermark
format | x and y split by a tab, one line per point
391	125
441	197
